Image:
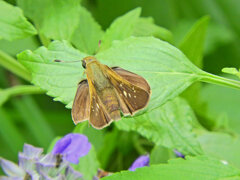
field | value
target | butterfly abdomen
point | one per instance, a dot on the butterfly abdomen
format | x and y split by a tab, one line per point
111	103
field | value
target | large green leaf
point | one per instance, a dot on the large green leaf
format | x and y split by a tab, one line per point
88	33
167	70
201	168
169	125
221	146
13	25
121	28
55	19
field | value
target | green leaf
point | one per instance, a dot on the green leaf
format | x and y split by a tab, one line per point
232	71
192	44
146	27
13	25
88	165
14	47
55	19
202	168
88	33
121	28
221	146
169	125
222	110
59	79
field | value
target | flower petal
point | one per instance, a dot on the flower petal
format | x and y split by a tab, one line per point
72	147
11	169
10	178
31	152
28	164
140	162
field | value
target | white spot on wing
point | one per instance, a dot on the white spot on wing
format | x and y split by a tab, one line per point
125	93
135	96
129	94
97	105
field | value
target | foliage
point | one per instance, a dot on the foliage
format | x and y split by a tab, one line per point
199	120
199	167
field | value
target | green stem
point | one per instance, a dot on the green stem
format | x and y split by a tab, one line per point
19	90
14	66
24	89
214	79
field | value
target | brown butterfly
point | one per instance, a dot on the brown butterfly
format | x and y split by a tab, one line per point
106	92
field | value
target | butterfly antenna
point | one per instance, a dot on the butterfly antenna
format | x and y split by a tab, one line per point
57	60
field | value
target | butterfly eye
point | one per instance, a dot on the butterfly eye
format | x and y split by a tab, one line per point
83	64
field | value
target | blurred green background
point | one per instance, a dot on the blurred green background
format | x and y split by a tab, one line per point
37	119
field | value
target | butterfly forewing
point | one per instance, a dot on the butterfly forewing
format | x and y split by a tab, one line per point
132	78
134	97
81	104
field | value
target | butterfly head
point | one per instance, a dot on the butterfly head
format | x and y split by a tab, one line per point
87	60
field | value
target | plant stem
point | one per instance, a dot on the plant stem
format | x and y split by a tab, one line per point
214	79
23	89
14	66
18	90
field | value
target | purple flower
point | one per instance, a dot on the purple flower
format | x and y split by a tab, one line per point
26	165
35	165
141	161
178	154
72	147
